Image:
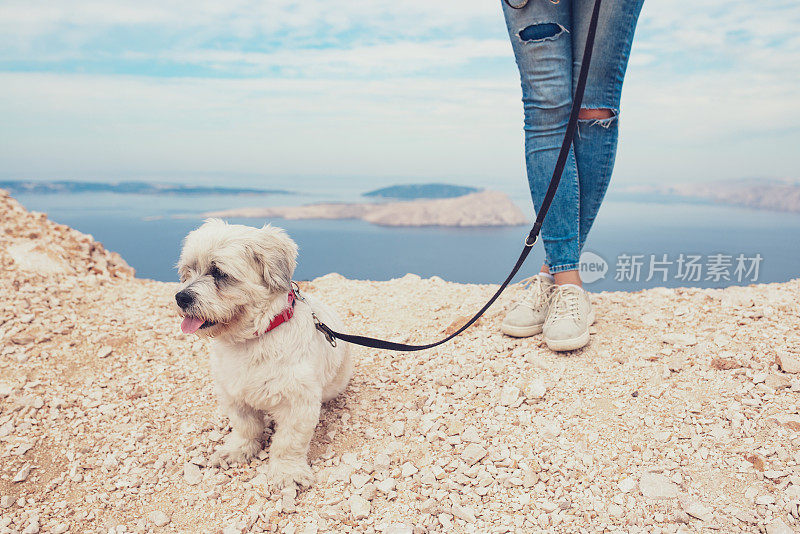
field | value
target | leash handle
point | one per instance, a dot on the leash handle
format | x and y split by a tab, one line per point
533	235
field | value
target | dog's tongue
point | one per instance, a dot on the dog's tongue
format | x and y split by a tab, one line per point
191	324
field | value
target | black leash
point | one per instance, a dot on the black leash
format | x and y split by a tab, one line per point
533	235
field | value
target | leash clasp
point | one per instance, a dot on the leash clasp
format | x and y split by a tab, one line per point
296	288
319	325
322	327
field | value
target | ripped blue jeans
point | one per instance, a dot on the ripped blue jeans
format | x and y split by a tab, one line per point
548	41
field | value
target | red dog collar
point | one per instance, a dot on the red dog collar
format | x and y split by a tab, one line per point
282	317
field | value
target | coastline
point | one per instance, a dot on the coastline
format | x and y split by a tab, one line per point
765	195
482	209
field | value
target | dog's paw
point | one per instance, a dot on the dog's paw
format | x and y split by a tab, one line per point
284	473
235	451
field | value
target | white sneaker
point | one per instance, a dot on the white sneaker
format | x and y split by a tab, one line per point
527	316
568	318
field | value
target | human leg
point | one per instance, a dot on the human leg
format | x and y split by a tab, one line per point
598	126
541	38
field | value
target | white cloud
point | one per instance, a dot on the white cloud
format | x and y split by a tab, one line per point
305	22
273	126
351	87
381	59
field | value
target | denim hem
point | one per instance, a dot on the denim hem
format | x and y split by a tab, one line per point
564	267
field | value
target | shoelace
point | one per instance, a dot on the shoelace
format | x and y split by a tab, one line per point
536	294
564	304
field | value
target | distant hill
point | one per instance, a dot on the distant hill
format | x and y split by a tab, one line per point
130	188
773	195
486	208
413	191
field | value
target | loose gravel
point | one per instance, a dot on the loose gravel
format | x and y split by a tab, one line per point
680	416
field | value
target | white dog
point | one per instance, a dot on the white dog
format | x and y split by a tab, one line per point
267	356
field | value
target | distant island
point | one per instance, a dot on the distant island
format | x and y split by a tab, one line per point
775	195
486	208
17	187
414	191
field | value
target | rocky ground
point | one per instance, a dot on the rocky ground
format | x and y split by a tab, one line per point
680	416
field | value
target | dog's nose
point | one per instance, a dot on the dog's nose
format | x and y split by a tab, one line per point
184	298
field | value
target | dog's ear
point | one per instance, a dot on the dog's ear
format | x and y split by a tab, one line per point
276	256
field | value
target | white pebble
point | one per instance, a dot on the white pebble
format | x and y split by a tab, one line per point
192	474
473	453
158	518
359	507
535	389
22	474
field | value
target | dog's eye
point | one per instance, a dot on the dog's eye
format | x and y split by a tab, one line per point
216	273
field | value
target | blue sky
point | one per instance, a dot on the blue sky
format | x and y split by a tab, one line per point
415	90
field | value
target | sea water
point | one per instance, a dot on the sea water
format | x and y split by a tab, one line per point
634	244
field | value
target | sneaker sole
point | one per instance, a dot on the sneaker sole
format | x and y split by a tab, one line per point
521	331
563	345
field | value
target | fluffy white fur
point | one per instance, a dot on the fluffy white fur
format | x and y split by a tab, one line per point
286	373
